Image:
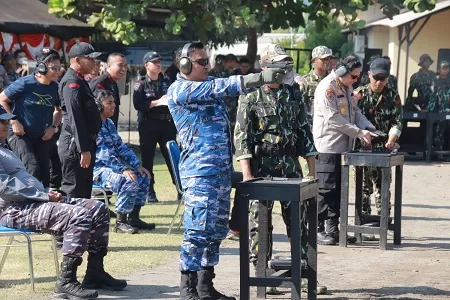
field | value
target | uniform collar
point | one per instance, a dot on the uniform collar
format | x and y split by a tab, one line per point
78	74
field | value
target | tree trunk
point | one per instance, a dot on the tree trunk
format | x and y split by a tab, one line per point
252	45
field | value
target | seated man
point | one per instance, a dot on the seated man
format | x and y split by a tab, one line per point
118	169
26	204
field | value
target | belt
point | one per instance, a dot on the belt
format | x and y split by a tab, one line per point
273	150
157	117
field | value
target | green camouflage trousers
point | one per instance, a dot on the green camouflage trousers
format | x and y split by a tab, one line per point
288	167
372	178
440	135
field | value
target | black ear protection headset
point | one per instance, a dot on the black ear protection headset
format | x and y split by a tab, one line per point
99	99
343	67
185	63
41	66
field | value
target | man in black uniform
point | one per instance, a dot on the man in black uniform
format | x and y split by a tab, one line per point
173	70
155	123
116	69
81	123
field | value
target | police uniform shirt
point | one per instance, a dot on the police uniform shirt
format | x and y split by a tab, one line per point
81	117
145	91
105	82
337	118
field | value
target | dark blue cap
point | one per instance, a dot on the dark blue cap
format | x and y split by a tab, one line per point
151	56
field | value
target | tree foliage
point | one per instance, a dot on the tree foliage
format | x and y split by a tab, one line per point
219	22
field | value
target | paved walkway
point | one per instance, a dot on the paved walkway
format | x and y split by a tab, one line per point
419	269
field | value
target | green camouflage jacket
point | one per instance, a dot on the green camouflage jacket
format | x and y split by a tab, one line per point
308	86
275	117
420	81
383	110
440	95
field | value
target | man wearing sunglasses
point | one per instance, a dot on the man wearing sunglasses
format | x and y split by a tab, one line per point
381	105
155	123
82	122
197	105
34	100
337	122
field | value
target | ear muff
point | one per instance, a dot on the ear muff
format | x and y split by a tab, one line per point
99	105
185	63
342	69
42	68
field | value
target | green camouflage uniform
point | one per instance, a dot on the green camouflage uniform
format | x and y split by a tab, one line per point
273	119
420	81
440	102
385	112
308	86
231	102
392	81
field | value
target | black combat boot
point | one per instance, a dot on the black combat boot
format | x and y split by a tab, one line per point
188	286
97	278
135	220
205	287
333	231
322	237
67	285
122	225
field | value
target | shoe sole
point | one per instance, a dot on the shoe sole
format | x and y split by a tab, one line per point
102	287
71	297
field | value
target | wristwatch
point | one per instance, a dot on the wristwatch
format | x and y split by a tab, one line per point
55	127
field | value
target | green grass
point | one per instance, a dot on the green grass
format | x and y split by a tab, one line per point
127	253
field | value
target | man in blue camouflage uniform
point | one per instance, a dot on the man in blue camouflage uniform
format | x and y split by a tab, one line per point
118	169
26	204
420	82
381	105
274	119
440	102
197	105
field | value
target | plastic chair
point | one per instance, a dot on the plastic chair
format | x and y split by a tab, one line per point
98	189
11	232
174	155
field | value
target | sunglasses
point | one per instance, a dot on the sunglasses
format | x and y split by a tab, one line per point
354	76
54	68
379	77
202	61
5	122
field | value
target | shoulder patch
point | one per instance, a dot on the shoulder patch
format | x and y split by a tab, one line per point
100	86
74	85
357	95
137	85
329	94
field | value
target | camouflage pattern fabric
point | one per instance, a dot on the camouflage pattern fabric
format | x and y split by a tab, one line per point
392	81
83	223
384	111
207	207
420	81
440	102
308	86
274	118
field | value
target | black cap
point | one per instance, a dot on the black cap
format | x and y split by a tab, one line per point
47	54
151	56
83	49
380	66
7	116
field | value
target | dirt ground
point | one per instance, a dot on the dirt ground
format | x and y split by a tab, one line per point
418	269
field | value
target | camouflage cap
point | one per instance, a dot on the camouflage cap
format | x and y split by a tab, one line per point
273	52
424	57
443	64
321	52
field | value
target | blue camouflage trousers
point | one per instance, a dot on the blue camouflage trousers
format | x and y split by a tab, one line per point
129	193
83	223
207	207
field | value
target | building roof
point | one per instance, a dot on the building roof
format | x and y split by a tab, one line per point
32	16
409	16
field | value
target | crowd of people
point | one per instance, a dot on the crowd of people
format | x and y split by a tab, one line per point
274	121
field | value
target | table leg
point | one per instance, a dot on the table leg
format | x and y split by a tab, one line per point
243	204
344	206
385	184
296	254
311	272
358	199
398	205
429	137
263	245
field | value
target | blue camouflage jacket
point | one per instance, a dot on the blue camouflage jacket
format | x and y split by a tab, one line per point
112	152
199	112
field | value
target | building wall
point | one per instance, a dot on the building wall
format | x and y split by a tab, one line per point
430	39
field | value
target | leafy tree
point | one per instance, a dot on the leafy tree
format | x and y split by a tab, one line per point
218	22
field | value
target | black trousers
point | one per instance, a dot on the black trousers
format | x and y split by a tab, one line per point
152	132
328	167
55	162
34	154
76	181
